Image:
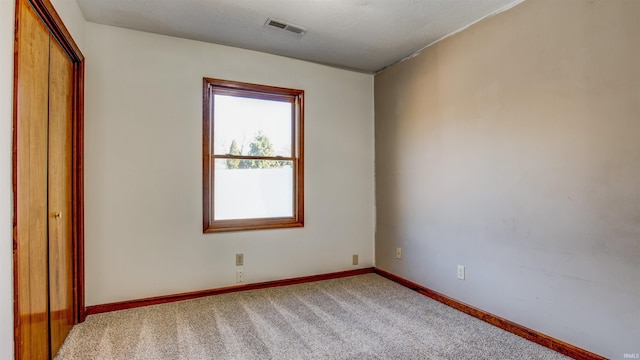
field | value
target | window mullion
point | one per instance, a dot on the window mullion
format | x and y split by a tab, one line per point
247	157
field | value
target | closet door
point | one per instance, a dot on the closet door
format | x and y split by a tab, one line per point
61	310
44	243
32	256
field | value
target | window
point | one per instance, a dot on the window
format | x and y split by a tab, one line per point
252	156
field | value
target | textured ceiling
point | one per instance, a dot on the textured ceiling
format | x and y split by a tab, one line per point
364	35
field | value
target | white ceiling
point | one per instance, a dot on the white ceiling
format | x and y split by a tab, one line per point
364	35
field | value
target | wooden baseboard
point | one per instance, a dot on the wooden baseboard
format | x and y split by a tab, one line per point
522	331
97	309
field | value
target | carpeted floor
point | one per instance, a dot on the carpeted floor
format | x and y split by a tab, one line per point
359	317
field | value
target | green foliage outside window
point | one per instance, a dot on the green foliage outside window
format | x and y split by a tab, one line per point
260	146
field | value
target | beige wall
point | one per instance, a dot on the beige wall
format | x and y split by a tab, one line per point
143	133
513	148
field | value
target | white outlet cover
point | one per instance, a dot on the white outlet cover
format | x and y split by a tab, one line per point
461	274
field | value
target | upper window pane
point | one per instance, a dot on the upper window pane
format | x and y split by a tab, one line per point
252	127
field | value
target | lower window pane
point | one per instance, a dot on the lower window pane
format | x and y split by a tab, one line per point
253	189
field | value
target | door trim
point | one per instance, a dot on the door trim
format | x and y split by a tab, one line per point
60	33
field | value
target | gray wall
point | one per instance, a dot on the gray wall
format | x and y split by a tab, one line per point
513	148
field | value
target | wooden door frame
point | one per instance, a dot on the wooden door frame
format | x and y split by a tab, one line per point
58	30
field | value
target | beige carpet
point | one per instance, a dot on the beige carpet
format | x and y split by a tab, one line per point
360	317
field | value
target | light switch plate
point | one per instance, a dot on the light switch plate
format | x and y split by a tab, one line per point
461	272
239	259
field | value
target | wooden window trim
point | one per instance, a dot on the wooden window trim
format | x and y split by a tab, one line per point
264	92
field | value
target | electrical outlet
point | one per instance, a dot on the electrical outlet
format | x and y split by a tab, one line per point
460	272
239	276
398	253
355	259
239	259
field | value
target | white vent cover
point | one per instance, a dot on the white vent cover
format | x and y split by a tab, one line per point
279	24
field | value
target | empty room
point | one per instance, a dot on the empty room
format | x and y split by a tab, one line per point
303	179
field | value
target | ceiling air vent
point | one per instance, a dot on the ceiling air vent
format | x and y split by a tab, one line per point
279	24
